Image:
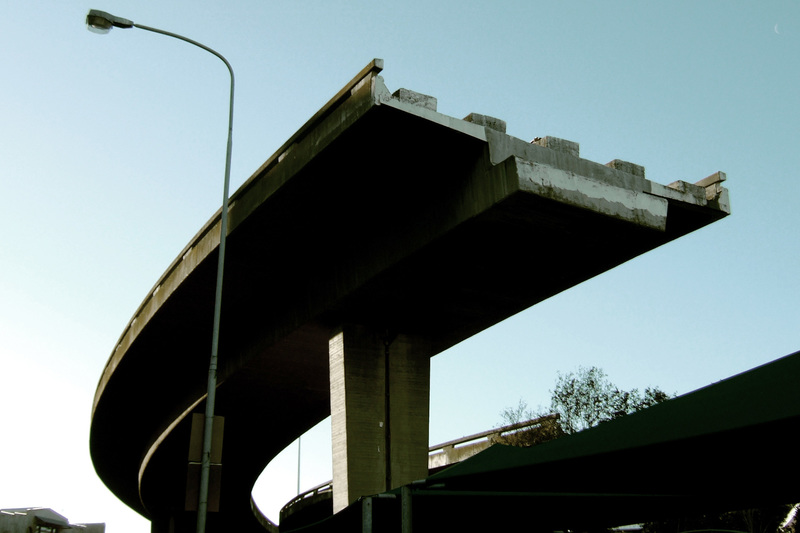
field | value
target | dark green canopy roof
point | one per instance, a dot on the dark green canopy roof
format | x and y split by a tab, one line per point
726	446
739	426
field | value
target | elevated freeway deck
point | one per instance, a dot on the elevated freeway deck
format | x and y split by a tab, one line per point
381	212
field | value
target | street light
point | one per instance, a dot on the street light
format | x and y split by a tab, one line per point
102	22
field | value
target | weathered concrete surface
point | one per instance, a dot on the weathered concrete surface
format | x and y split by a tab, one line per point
380	395
378	212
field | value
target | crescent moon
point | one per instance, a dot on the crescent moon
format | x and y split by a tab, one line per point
776	29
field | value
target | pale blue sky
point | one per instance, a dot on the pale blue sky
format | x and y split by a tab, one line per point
112	155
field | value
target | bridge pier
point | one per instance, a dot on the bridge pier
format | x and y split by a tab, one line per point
380	392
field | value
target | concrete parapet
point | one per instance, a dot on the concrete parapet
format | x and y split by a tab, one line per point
625	166
485	120
712	185
415	98
560	145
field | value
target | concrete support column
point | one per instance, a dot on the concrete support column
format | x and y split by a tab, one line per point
169	523
379	411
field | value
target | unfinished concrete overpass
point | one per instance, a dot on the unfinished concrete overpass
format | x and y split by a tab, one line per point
379	235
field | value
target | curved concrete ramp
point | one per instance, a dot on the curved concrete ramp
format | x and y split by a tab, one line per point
379	212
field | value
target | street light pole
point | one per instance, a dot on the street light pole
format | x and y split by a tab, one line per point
101	22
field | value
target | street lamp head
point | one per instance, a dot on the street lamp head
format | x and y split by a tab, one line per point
102	22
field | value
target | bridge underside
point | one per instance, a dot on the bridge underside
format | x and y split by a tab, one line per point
380	213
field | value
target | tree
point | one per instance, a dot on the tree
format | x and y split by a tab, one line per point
586	398
582	400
